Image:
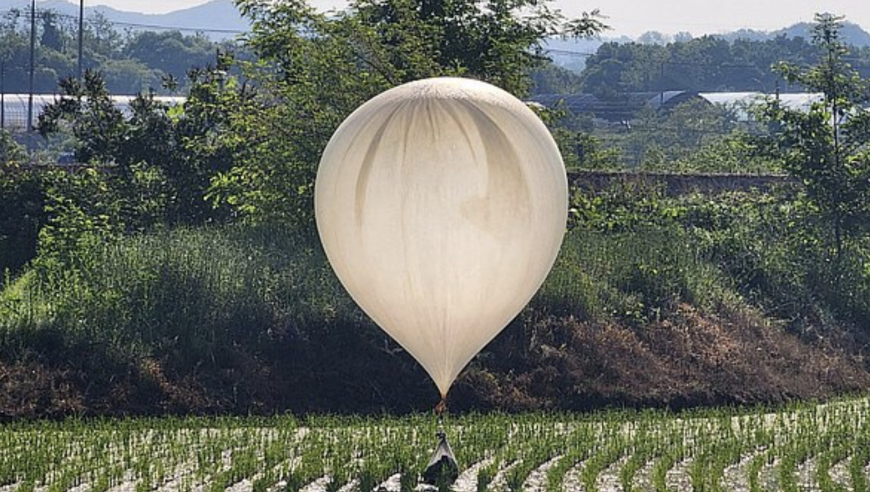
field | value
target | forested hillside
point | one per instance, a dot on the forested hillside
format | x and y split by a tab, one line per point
705	64
218	19
130	60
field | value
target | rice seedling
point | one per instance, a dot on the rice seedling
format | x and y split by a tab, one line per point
778	448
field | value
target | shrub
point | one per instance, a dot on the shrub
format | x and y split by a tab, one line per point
21	216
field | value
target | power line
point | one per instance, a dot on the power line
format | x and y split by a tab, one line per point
81	38
140	25
174	28
568	52
32	63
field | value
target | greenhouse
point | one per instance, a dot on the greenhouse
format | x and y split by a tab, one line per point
740	102
621	108
15	108
626	107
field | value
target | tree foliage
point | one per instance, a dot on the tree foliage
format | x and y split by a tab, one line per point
156	162
170	53
249	144
708	63
828	146
131	62
323	66
21	206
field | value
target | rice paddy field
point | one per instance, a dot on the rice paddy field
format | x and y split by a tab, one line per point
805	447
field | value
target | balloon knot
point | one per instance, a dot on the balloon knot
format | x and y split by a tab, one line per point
441	407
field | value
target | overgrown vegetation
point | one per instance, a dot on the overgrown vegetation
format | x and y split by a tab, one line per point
176	269
827	146
193	316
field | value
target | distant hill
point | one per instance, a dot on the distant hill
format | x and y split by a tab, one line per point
571	53
851	33
218	19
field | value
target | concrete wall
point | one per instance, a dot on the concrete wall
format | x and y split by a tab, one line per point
679	184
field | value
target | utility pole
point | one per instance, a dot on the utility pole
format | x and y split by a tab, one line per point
32	63
662	82
81	34
2	94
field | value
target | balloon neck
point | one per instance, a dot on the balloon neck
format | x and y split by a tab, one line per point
441	407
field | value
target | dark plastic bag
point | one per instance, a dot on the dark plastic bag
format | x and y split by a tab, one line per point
442	465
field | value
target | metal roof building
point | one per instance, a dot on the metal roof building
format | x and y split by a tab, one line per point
626	106
740	102
620	108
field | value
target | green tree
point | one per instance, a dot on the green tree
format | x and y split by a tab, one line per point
131	62
322	67
21	206
171	52
129	77
91	117
159	159
12	154
826	147
52	36
553	79
708	63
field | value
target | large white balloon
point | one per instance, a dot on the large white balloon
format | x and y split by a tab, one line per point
441	205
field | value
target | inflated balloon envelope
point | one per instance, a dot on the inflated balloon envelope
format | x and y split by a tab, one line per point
441	205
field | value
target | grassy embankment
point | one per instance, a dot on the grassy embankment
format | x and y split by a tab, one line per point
668	302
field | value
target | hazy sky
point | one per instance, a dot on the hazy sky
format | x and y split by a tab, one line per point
633	17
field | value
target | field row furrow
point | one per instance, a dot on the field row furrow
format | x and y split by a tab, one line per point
824	448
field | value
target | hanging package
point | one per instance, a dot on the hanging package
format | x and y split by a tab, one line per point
442	465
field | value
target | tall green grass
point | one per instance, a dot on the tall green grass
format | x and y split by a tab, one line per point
184	291
192	291
636	276
208	297
633	251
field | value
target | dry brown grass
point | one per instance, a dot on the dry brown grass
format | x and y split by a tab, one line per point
689	359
